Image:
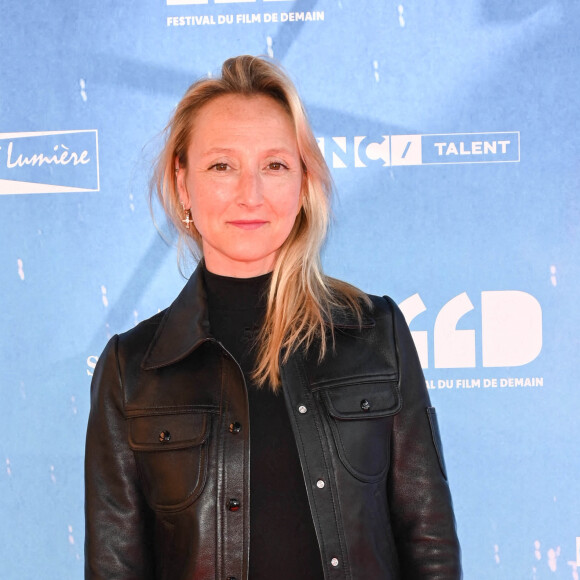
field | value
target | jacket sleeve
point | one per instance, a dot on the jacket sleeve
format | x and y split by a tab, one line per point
421	509
117	531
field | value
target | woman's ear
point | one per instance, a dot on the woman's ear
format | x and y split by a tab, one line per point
180	175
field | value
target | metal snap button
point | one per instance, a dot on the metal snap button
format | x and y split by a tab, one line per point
234	505
320	484
365	405
164	436
235	427
334	562
302	409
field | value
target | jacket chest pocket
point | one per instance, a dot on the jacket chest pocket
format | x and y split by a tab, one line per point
361	418
171	454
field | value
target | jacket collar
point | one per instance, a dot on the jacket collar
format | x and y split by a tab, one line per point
184	326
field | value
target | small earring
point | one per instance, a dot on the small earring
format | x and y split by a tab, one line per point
187	220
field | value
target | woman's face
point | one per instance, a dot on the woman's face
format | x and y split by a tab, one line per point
242	183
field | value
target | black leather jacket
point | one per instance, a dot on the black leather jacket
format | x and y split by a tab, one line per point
167	456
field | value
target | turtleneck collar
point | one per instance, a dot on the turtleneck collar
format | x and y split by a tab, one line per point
227	293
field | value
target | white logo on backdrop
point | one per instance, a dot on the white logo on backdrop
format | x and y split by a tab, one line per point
511	330
430	149
49	162
254	17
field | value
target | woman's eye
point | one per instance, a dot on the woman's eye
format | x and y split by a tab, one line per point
276	165
220	166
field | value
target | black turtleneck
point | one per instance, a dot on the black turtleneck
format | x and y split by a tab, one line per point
283	542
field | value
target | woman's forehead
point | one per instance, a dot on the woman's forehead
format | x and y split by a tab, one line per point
238	120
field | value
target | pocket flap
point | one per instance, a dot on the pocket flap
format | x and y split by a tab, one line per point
165	432
363	400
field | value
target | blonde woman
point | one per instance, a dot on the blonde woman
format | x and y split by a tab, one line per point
273	422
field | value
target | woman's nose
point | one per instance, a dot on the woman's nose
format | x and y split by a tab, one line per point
250	188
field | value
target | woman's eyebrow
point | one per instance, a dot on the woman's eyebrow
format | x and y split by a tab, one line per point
228	150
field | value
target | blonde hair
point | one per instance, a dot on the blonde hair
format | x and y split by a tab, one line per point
301	299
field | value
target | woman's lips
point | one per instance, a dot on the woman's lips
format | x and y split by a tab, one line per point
248	224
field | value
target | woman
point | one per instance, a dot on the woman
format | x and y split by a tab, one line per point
272	422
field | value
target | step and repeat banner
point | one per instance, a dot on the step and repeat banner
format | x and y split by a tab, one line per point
452	131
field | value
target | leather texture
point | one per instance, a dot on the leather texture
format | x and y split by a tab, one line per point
167	476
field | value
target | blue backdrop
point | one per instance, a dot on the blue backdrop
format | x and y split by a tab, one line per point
451	129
